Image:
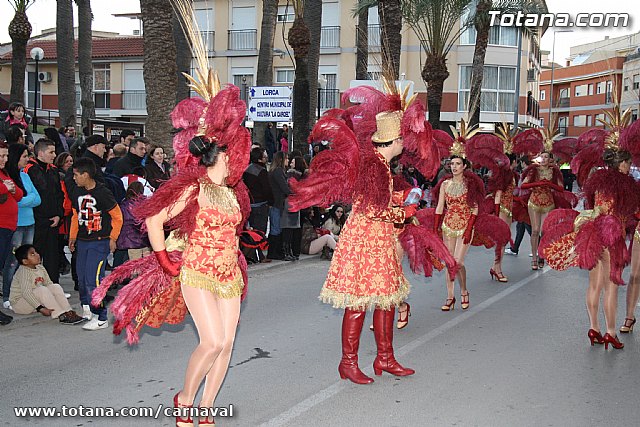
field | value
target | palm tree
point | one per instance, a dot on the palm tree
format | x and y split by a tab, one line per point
390	12
66	63
265	57
299	39
436	24
482	23
183	59
362	41
160	70
85	66
313	15
19	31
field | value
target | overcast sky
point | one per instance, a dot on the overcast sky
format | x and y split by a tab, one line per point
42	15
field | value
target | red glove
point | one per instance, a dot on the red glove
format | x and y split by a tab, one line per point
409	211
405	193
168	266
466	237
496	209
437	222
528	185
555	186
322	231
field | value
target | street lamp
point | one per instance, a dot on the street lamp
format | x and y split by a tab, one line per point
553	63
36	54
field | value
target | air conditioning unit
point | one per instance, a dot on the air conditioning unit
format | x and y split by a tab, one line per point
136	32
44	77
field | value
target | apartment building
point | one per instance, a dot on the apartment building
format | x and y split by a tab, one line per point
232	31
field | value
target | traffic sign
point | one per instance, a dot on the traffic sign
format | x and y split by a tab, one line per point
268	92
270	110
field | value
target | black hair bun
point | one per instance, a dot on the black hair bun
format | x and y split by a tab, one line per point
609	155
199	145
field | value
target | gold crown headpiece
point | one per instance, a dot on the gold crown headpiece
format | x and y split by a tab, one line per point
460	138
615	120
506	133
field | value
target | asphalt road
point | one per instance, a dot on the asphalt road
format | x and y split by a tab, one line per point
518	357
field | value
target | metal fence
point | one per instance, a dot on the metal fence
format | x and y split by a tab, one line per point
134	99
242	39
209	38
330	37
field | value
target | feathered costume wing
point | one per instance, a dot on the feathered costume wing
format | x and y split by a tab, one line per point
350	168
590	146
152	297
528	142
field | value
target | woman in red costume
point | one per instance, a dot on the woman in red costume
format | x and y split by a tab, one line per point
595	239
542	178
199	268
461	195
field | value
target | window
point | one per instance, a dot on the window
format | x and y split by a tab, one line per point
498	89
600	88
581	90
543	94
102	85
590	91
541	121
285	76
599	119
580	121
636	82
286	14
501	36
634	115
589	120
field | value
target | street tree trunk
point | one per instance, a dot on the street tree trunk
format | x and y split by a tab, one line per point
362	45
390	35
19	31
159	70
299	40
313	15
183	59
265	58
434	73
482	40
85	66
66	63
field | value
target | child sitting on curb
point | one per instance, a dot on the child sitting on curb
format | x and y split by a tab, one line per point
32	290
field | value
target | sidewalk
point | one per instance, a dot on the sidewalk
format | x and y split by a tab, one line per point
67	284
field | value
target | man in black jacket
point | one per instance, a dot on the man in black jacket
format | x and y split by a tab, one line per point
256	179
48	215
133	159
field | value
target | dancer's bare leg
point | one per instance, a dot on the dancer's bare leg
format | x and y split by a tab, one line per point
633	288
497	261
610	295
594	291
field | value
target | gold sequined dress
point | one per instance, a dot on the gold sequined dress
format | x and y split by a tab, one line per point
210	259
365	271
541	199
458	212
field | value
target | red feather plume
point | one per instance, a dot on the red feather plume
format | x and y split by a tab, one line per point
565	149
333	172
630	141
443	141
588	245
420	149
529	142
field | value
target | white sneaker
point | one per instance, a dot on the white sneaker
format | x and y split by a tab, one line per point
508	251
7	304
86	312
95	324
67	296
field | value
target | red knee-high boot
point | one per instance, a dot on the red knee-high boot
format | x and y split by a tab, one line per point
351	328
383	330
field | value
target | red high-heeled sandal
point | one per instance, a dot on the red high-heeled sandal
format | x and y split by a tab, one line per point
615	343
204	421
464	301
449	304
180	421
595	337
627	327
403	317
498	275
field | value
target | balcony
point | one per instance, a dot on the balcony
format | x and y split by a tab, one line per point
375	40
328	98
134	99
563	103
243	39
531	75
209	39
330	37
